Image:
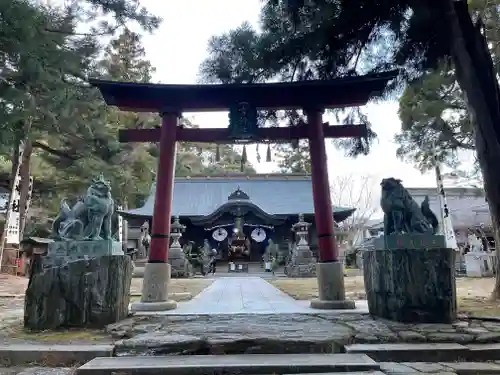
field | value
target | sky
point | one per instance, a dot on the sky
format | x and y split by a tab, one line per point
180	45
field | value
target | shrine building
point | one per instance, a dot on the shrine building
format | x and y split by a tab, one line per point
266	206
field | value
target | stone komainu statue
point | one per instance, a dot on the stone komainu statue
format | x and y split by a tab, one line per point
401	213
90	218
429	215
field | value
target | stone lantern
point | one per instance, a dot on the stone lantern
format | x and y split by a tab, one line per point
176	256
301	262
301	228
176	231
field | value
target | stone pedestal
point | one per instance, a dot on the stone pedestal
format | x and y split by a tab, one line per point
81	293
179	265
331	291
410	284
155	289
301	263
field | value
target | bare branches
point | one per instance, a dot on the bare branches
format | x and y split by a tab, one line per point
354	191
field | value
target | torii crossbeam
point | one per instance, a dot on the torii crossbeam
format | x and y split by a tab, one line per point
243	102
222	135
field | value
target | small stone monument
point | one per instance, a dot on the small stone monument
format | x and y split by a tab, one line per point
302	262
176	256
84	280
409	273
478	262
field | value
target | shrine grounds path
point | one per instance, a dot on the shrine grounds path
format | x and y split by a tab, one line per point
244	295
238	294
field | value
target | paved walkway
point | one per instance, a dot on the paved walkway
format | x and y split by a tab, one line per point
243	295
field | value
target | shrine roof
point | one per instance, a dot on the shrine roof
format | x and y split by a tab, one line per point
335	93
276	194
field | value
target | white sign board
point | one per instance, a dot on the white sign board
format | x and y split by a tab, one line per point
120	226
12	236
12	224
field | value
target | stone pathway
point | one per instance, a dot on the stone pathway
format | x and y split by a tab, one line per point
241	295
390	368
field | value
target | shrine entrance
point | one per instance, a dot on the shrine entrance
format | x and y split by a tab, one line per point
243	102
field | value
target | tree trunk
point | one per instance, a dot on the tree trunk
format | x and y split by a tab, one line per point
15	164
24	185
476	75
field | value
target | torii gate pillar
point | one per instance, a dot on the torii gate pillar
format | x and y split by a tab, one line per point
157	271
329	270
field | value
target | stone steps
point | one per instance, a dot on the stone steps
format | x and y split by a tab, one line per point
442	368
427	352
369	372
51	355
37	371
240	364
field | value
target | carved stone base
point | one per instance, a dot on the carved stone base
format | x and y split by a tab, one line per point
410	285
180	266
155	289
61	252
302	263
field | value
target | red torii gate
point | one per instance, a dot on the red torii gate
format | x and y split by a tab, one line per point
172	100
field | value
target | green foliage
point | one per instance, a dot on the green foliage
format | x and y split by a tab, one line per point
323	39
234	57
36	67
125	59
363	35
434	114
47	102
435	120
130	167
286	51
294	159
201	158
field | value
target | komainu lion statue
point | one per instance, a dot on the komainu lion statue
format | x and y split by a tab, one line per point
401	213
90	218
